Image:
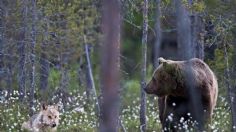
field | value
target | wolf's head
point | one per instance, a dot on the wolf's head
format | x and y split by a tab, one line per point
50	115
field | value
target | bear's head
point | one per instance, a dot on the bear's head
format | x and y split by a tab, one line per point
164	79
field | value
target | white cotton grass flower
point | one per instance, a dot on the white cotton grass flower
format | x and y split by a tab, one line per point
170	117
181	120
173	104
79	110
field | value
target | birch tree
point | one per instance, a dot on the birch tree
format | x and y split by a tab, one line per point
32	56
143	122
91	80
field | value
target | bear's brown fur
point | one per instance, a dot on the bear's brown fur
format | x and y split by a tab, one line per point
187	92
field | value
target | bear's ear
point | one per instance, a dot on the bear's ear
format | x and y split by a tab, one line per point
161	60
169	67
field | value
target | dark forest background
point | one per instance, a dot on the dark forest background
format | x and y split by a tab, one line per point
86	55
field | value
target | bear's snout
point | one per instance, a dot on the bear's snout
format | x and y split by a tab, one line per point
147	89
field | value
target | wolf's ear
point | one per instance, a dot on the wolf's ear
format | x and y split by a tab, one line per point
44	106
56	106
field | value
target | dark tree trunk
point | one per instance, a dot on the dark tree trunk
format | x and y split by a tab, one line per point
158	31
44	63
2	14
8	57
2	42
143	122
32	57
81	74
233	91
64	82
197	33
44	70
230	90
22	52
9	79
111	22
185	49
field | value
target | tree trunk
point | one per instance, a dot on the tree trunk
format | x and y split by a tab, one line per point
32	57
44	70
64	82
91	80
2	42
157	44
22	52
44	64
9	79
230	91
197	31
110	66
185	49
1	35
143	122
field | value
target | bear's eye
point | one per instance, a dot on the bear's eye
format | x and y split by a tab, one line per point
55	116
50	117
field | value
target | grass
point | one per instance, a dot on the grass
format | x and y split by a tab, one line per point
13	113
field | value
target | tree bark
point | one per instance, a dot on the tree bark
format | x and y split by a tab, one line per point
44	70
32	57
185	49
143	122
22	51
2	40
157	44
44	63
111	22
2	28
230	91
91	80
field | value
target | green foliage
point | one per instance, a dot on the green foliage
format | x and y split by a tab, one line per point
198	6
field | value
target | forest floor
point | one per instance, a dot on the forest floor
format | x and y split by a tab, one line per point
84	119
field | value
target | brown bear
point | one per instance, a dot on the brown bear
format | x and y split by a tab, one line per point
187	92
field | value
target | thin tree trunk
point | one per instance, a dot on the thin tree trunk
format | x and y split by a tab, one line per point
231	96
91	80
2	42
8	57
32	57
22	52
44	70
110	66
2	14
64	82
157	44
143	122
44	64
9	79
